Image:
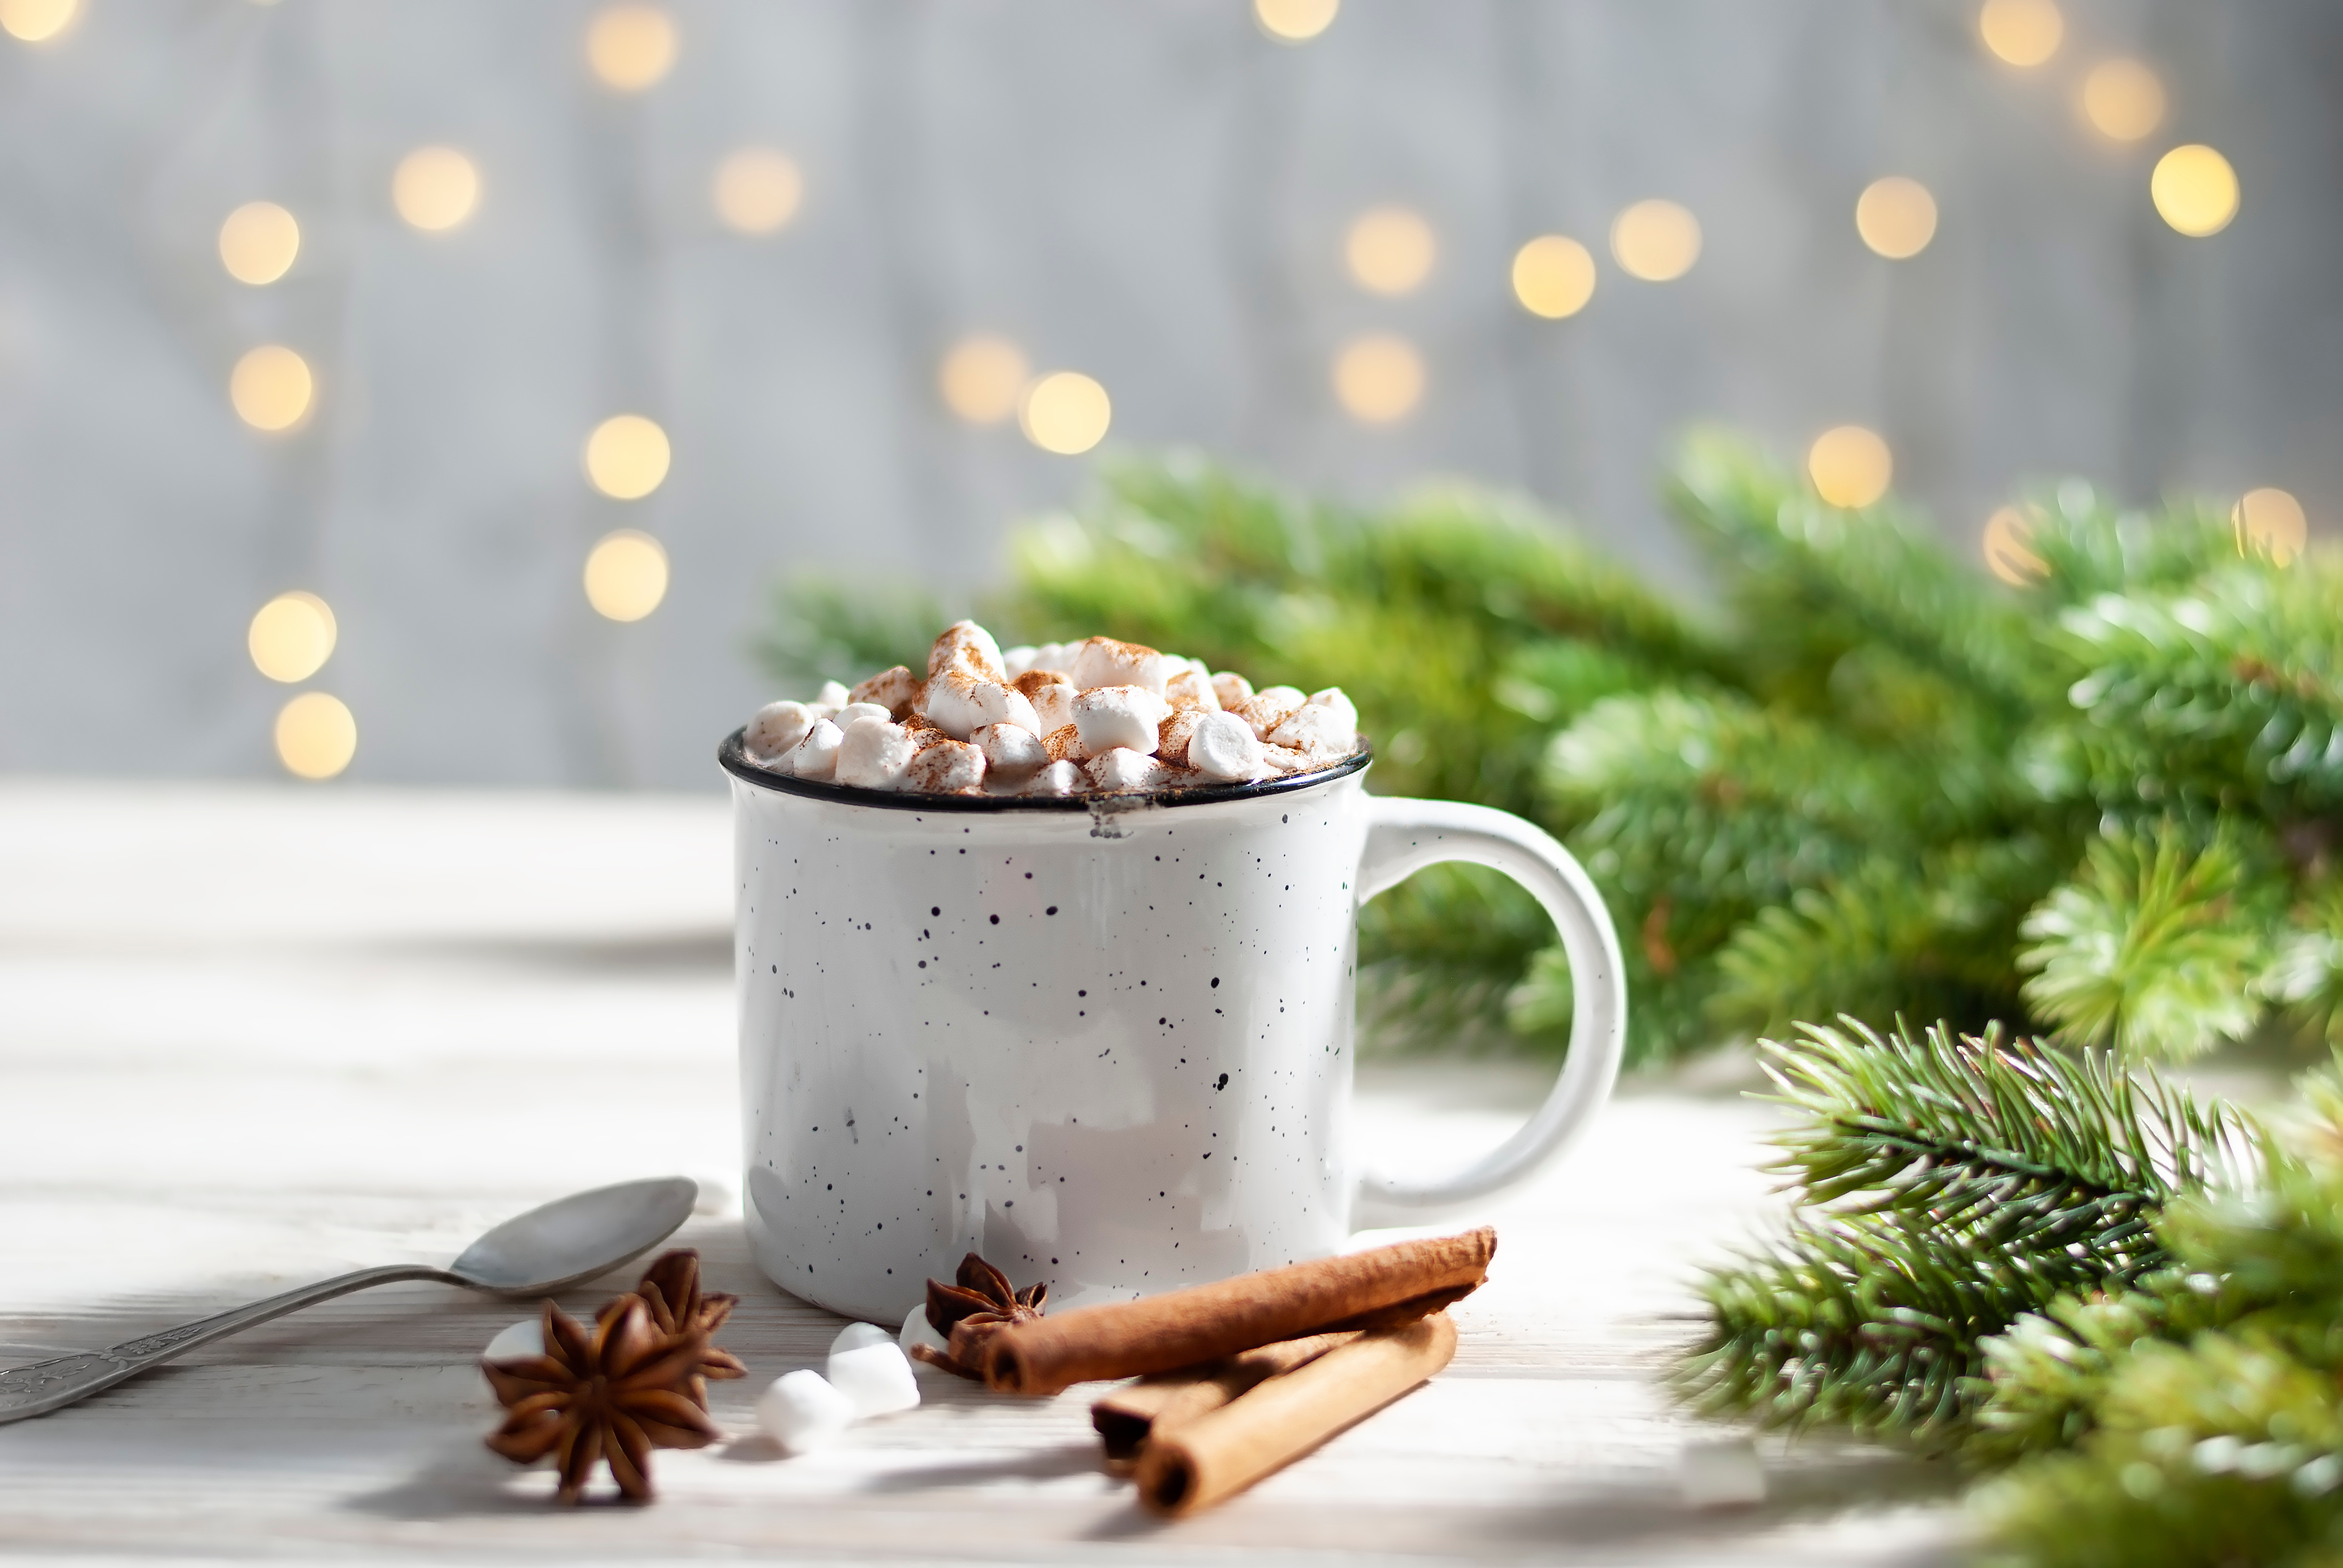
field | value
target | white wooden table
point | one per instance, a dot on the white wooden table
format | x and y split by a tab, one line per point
253	1036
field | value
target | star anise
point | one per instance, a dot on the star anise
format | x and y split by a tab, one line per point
967	1314
610	1393
670	1289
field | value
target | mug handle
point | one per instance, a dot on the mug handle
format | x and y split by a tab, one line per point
1406	835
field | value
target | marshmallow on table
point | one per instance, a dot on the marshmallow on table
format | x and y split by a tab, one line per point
1119	715
917	1331
872	1371
1223	746
1189	689
777	728
966	646
1011	754
946	767
816	755
801	1411
893	689
1061	777
515	1341
874	754
1103	662
1231	689
1124	768
832	696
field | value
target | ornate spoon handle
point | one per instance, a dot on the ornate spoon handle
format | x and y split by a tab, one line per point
52	1384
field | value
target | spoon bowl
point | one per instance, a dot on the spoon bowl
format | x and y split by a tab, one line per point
571	1240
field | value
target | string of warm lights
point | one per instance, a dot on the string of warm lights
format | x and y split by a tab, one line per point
1378	377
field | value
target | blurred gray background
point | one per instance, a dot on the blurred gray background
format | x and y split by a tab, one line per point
1153	192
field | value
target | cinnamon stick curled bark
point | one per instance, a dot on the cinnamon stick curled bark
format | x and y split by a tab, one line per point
1206	1322
1267	1428
1126	1419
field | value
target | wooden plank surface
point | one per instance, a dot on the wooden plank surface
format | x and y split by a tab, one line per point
255	1036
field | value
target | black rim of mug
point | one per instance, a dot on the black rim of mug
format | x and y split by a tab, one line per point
734	756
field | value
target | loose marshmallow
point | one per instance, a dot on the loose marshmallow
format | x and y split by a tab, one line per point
1064	744
777	728
1119	715
1269	707
1017	661
816	754
893	689
947	767
833	696
1124	768
1053	704
1103	662
1231	689
1223	746
801	1411
1059	779
1011	754
516	1341
857	1336
1187	688
918	1331
1326	724
875	1377
874	754
967	646
847	715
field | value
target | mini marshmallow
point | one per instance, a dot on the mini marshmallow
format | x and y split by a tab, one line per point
1323	728
1064	744
1053	704
801	1411
1172	735
857	1336
1017	661
924	734
960	704
1188	689
1011	754
1103	662
1269	707
1119	715
816	755
947	767
1124	768
1057	655
847	715
967	646
874	754
1059	779
515	1341
1231	689
833	696
875	1377
777	730
1281	760
1223	746
918	1331
893	689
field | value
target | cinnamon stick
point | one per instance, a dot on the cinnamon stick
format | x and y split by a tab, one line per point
1269	1427
1166	1402
1206	1322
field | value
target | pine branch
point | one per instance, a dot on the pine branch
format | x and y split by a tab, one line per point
826	630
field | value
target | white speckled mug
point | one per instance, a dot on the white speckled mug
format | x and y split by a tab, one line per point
1104	1043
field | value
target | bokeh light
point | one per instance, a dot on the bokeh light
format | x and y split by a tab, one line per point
982	378
1896	216
1295	21
2195	190
1378	377
2122	100
2008	546
1065	412
626	575
1554	277
757	190
1390	250
271	388
435	189
627	457
317	736
36	21
2270	522
1657	241
292	636
258	242
631	47
1850	466
2023	33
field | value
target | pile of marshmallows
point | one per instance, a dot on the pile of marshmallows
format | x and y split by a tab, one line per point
1064	718
868	1373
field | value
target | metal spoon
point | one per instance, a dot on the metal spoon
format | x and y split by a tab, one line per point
564	1243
